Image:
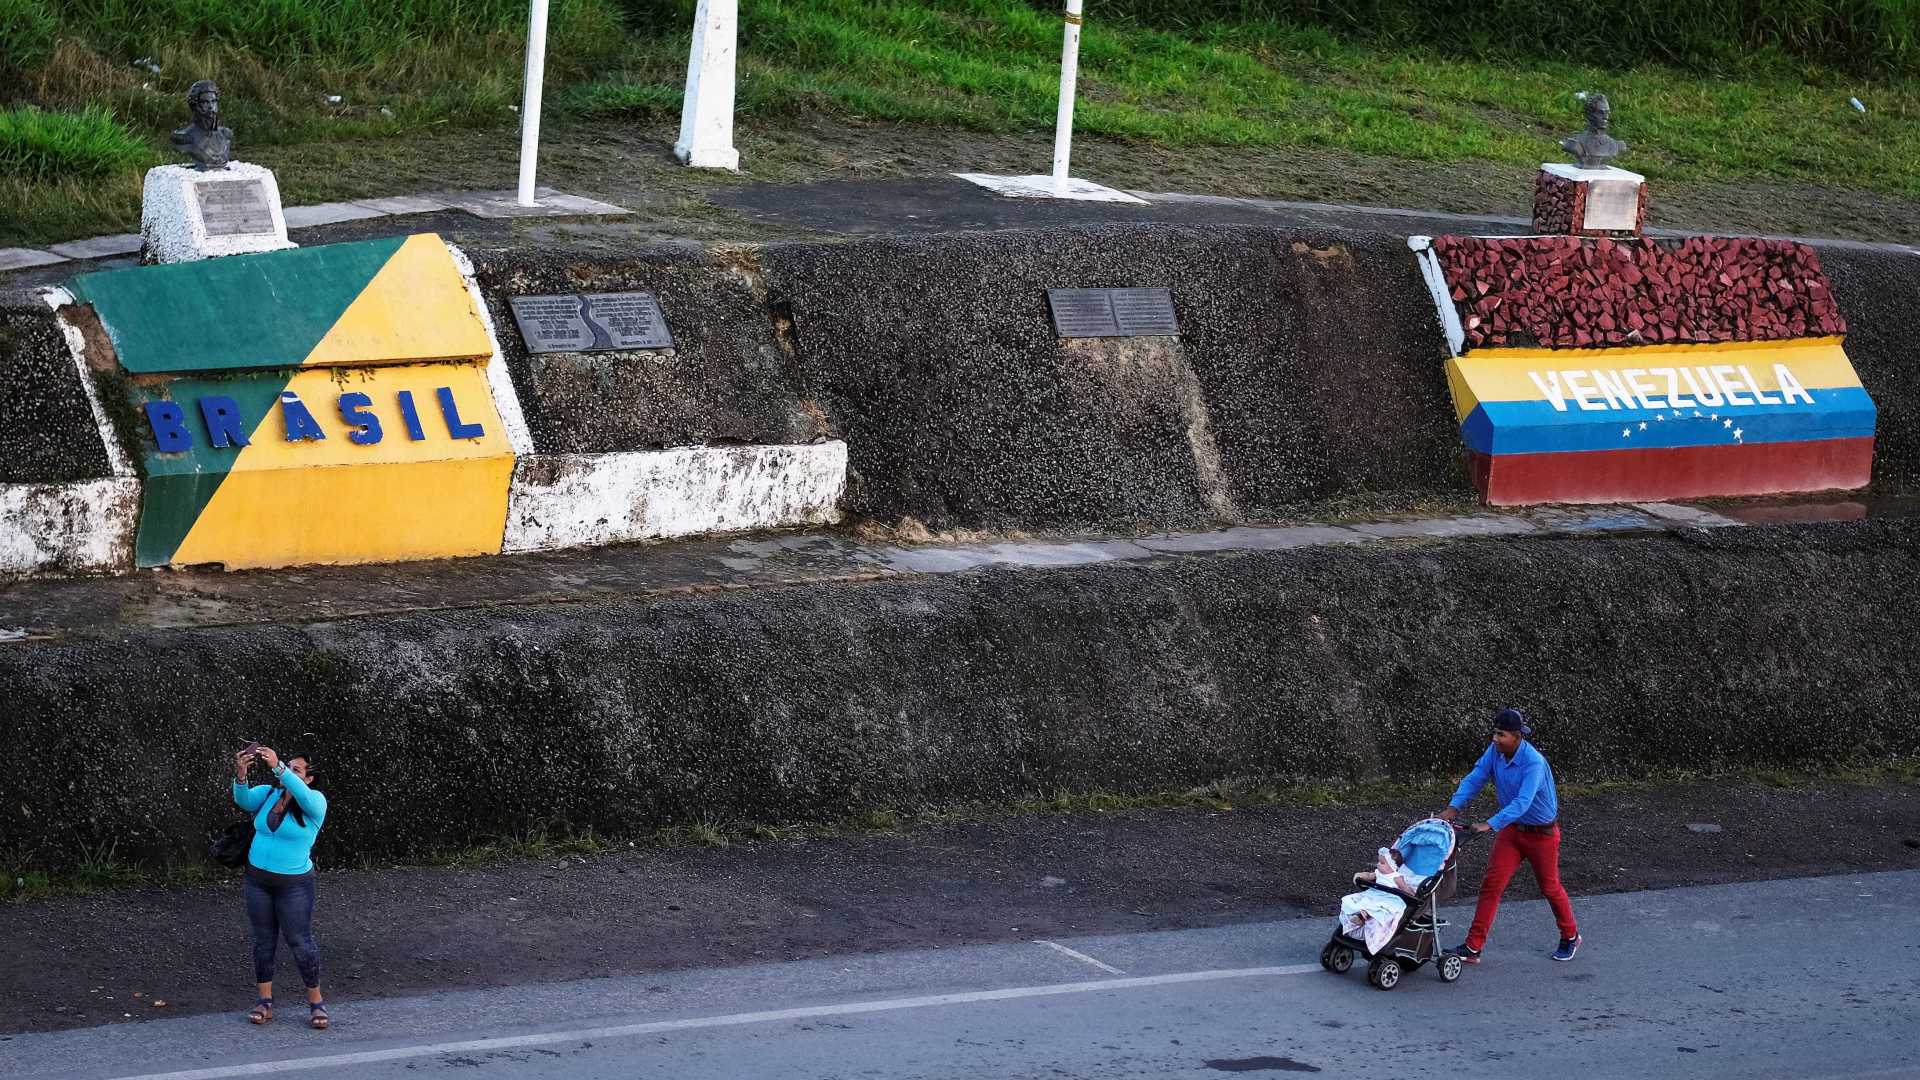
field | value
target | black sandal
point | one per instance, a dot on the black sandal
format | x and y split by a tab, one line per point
318	1015
262	1012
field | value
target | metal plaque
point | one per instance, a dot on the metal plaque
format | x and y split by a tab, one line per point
1091	313
234	207
591	322
1612	205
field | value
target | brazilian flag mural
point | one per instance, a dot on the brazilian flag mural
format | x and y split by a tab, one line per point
317	405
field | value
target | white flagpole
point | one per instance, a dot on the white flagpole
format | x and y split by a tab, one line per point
530	101
1069	79
706	115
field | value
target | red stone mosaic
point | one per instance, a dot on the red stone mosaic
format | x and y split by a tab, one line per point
1579	292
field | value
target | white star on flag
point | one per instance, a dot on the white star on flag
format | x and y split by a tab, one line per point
1736	433
1625	432
1726	423
1715	416
1662	417
1643	425
1696	413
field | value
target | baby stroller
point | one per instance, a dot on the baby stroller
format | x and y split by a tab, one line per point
1429	848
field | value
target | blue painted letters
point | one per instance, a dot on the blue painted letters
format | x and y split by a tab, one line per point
411	416
224	425
300	422
357	411
452	413
170	435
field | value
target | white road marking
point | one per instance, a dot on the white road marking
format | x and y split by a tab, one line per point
627	1031
1078	955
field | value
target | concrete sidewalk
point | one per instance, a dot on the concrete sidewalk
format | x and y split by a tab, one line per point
49	608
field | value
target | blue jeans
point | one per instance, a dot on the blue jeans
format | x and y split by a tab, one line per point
281	905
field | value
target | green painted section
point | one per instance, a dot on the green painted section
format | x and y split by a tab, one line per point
179	486
243	311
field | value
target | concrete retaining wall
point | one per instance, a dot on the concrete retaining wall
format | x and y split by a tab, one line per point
1879	292
1773	646
68	499
1309	369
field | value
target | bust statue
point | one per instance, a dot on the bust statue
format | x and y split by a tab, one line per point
204	140
1594	148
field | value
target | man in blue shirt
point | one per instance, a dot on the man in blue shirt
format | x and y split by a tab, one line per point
1525	827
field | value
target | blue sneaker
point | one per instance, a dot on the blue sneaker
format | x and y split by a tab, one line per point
1466	955
1568	946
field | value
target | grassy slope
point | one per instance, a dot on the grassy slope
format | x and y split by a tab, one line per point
986	65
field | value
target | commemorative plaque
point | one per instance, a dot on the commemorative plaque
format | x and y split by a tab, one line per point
1093	313
591	322
234	207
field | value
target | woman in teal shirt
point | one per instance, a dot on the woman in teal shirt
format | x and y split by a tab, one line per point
287	816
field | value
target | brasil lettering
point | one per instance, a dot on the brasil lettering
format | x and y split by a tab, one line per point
1712	386
227	427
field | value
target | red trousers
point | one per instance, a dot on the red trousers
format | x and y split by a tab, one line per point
1542	852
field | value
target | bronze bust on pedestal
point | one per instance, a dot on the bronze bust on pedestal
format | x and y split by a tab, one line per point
1594	148
204	140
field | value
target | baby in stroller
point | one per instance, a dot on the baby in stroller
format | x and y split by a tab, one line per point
1374	914
1392	920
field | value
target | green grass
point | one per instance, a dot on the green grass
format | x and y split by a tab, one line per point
409	68
1857	35
39	146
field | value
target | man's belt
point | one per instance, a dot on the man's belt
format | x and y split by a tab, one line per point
1547	828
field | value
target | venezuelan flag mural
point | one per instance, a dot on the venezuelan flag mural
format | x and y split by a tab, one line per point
318	405
1602	370
1662	422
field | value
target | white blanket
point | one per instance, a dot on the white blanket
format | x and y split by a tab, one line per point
1375	916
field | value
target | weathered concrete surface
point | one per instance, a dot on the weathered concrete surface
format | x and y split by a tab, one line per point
82	526
584	500
1879	293
723	382
1308	368
47	429
1757	646
62	509
99	607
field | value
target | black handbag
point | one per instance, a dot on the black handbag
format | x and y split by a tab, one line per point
230	845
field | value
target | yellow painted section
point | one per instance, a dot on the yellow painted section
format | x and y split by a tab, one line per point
335	501
1503	374
1631	351
1462	390
416	308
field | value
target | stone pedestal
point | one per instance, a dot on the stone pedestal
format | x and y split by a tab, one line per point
1570	200
188	214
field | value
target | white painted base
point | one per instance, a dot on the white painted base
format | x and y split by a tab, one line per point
1436	278
1583	176
170	222
79	527
708	157
1041	187
584	500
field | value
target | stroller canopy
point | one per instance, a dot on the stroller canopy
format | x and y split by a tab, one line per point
1426	846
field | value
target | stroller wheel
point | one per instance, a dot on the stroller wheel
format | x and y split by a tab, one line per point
1385	973
1336	958
1450	967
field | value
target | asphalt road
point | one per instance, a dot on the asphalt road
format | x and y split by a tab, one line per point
1806	978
